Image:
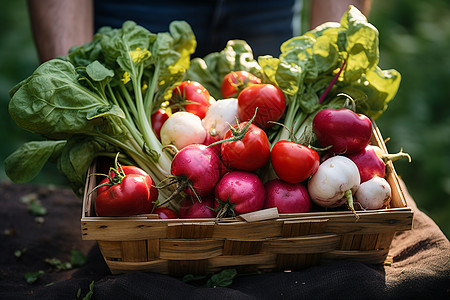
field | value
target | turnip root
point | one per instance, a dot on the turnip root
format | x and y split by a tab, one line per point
220	115
334	183
374	193
182	129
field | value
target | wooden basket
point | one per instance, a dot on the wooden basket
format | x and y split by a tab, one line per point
254	242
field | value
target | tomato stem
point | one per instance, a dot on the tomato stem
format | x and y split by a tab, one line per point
238	133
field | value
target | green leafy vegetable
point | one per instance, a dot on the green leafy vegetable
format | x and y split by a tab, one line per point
98	100
308	64
58	264
32	277
88	294
77	258
223	278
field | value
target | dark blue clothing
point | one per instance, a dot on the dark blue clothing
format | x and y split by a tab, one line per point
264	24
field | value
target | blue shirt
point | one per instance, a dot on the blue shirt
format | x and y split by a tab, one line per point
263	24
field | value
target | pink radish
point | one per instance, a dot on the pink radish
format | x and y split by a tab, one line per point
196	169
239	192
191	208
371	161
287	197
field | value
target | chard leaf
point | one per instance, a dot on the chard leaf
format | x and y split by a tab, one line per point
53	103
98	72
118	46
27	161
184	41
361	44
77	156
85	54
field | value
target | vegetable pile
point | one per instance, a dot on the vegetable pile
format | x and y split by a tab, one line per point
215	136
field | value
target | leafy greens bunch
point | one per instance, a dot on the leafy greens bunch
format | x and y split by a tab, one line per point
98	100
313	70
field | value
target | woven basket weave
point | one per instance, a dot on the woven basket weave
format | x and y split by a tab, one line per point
254	242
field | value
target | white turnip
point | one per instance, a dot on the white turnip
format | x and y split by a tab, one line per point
182	129
374	193
334	183
220	115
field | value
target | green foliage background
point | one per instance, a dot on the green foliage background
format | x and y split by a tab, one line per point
414	39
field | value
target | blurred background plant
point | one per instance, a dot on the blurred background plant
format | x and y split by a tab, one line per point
414	39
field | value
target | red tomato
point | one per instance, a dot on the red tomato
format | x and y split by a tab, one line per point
165	213
128	170
112	199
158	118
248	154
128	196
269	100
192	97
234	82
293	162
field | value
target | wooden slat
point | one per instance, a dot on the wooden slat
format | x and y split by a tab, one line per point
369	242
157	266
346	242
356	242
190	249
153	249
111	250
242	247
306	244
303	227
190	230
371	223
384	240
237	260
134	251
237	230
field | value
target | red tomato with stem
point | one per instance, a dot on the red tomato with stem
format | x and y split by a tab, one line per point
268	98
249	153
125	194
192	97
234	82
294	162
158	118
128	170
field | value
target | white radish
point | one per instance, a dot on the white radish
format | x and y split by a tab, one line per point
220	115
335	182
374	193
182	129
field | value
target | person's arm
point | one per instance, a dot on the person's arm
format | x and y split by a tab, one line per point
57	25
332	10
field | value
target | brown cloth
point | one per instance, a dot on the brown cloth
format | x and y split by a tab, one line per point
420	268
